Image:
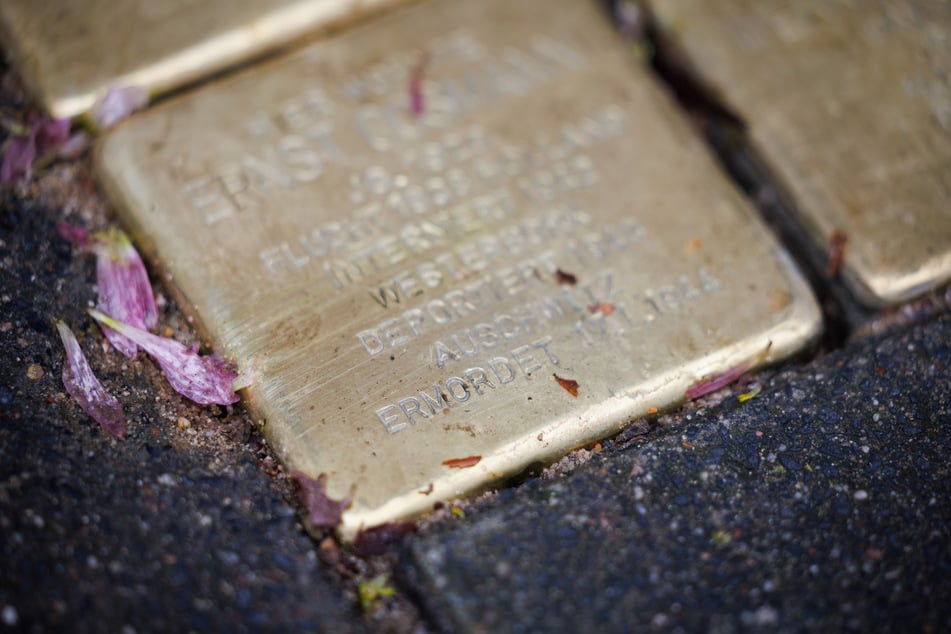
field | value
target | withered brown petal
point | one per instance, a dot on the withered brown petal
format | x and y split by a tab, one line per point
322	511
564	277
374	541
462	463
569	385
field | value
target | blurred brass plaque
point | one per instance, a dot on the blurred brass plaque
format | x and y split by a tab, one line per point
850	104
438	299
71	51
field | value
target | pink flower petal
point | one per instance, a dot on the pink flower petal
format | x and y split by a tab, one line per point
322	511
44	136
75	235
714	382
17	165
50	134
719	380
117	104
205	380
124	289
630	18
74	146
417	102
86	389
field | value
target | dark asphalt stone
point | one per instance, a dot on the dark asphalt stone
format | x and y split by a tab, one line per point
823	504
179	528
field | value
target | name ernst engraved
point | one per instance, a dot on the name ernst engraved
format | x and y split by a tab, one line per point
545	252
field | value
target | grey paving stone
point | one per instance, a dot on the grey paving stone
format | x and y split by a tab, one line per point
179	528
823	504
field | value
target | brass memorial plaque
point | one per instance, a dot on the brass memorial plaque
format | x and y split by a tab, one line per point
442	286
849	101
71	51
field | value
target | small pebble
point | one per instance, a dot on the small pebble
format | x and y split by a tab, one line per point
861	494
10	616
34	372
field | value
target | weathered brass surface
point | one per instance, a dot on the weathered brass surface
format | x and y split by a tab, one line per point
71	51
397	277
850	102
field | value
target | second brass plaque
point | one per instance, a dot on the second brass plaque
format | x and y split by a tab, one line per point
849	102
445	281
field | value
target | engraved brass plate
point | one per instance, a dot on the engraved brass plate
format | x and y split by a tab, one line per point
850	104
437	301
71	51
